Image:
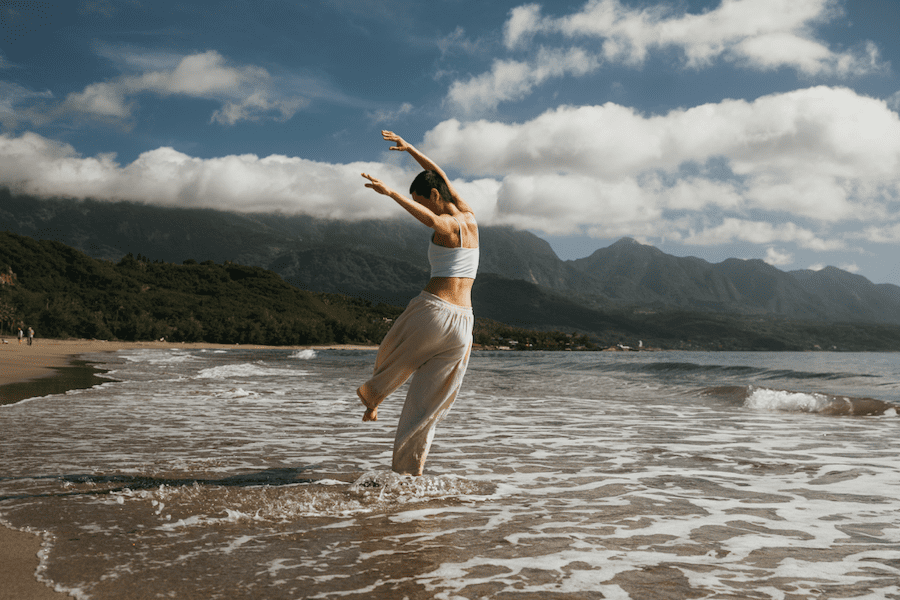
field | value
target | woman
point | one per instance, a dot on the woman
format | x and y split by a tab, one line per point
432	339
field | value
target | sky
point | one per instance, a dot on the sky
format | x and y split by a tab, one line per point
754	129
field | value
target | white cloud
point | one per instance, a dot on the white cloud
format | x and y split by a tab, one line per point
826	154
513	79
523	22
760	232
458	42
755	34
777	257
101	100
696	194
882	234
390	115
807	169
560	204
245	92
247	183
12	99
894	102
761	34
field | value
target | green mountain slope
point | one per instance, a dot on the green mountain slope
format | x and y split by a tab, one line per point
61	292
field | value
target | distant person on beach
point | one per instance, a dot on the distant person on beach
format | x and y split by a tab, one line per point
30	335
432	340
21	334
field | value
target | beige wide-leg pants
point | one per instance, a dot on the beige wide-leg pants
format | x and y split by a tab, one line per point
431	342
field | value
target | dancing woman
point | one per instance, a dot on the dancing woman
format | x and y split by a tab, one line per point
432	340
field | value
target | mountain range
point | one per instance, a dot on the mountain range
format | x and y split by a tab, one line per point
521	280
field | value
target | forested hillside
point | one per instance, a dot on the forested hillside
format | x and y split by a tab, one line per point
385	261
63	293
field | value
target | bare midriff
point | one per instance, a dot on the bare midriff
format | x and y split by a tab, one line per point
455	290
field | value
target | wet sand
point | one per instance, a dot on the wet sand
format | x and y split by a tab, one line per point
21	363
53	367
18	555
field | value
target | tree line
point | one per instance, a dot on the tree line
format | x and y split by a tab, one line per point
61	292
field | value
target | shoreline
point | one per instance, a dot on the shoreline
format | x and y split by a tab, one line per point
52	366
19	557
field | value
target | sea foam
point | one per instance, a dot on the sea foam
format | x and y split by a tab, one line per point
780	400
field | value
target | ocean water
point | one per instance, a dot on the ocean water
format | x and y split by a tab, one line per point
654	475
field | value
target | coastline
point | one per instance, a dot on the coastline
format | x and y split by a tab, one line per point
19	557
52	366
49	359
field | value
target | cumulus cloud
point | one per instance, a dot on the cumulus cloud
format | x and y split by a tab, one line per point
761	34
513	79
245	92
882	233
894	102
824	154
777	257
809	169
36	165
755	34
760	232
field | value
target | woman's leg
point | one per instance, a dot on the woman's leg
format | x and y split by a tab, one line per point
432	392
411	341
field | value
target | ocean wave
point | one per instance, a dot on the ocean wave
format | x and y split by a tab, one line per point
774	400
692	369
307	354
157	357
245	370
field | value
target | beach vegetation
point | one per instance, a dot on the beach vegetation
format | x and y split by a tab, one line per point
62	292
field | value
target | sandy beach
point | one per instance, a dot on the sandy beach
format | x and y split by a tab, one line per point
51	366
21	363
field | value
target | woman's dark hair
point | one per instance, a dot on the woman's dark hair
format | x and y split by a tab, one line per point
428	180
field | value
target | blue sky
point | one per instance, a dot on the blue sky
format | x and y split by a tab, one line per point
715	128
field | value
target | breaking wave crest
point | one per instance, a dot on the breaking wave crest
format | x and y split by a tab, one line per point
773	400
244	371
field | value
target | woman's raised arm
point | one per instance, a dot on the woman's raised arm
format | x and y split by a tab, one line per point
425	216
404	146
426	163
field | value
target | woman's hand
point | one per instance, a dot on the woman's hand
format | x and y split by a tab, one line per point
393	137
377	185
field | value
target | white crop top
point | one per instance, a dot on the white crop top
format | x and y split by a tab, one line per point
453	262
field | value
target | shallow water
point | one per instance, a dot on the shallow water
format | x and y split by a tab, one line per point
247	474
